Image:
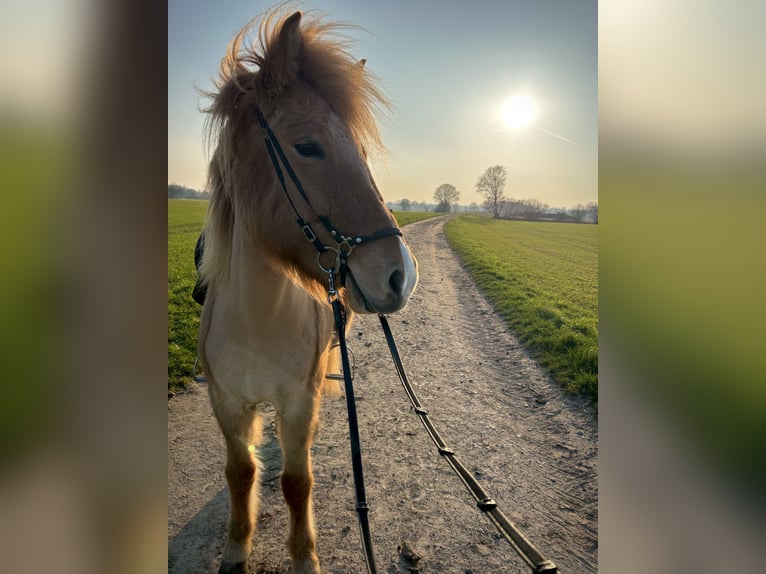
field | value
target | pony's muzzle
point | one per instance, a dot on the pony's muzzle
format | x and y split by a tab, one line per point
382	284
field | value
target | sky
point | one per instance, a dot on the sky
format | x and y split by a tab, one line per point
448	67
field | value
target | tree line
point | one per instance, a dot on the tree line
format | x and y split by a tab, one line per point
176	191
491	186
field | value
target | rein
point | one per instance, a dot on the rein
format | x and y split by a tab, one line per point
362	509
523	547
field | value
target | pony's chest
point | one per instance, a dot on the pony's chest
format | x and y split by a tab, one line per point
259	367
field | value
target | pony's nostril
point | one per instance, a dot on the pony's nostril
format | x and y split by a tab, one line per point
396	281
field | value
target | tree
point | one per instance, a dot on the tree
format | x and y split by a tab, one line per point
176	191
491	185
404	204
446	194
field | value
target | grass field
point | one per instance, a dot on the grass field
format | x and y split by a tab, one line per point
543	279
185	220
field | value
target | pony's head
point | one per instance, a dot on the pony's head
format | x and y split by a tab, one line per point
320	104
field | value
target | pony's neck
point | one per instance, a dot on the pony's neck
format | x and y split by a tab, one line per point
260	290
262	324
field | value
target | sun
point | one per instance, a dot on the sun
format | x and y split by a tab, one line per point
519	111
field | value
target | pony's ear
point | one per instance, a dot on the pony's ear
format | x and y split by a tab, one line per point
361	63
284	57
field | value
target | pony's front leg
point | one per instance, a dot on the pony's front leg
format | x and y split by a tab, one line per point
241	429
297	424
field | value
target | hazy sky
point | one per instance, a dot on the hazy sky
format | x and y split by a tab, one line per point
448	66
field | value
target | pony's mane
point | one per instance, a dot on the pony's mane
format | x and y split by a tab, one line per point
326	65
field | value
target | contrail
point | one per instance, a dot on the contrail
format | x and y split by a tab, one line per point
556	135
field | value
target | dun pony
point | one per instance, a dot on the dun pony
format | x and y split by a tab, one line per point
266	330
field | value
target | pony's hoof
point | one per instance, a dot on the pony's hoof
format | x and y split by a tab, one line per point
308	566
233	568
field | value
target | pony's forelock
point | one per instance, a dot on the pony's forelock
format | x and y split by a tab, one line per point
327	65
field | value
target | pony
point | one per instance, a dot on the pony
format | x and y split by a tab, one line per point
266	329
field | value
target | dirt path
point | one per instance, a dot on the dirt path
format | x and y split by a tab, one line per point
532	448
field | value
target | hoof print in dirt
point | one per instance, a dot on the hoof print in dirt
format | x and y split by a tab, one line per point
233	568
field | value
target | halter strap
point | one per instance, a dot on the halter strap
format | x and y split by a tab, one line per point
344	244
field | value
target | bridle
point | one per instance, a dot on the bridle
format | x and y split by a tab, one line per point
344	243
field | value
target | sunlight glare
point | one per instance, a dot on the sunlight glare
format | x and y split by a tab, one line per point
519	111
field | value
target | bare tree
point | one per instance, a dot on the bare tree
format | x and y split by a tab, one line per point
491	185
446	194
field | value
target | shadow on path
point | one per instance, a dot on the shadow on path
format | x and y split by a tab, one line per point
192	550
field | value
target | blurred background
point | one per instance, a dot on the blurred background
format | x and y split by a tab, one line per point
83	296
682	144
682	274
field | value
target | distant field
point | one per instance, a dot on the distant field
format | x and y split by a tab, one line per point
185	221
543	279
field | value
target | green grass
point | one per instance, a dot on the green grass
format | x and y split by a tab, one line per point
405	217
185	222
543	279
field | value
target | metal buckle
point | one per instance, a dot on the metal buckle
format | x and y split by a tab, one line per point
346	244
332	294
309	233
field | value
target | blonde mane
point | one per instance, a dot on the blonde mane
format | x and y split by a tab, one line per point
326	66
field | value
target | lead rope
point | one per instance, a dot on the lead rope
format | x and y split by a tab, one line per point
523	547
362	510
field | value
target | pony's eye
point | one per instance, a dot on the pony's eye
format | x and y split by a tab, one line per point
310	149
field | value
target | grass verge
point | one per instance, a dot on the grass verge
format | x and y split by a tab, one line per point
543	279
